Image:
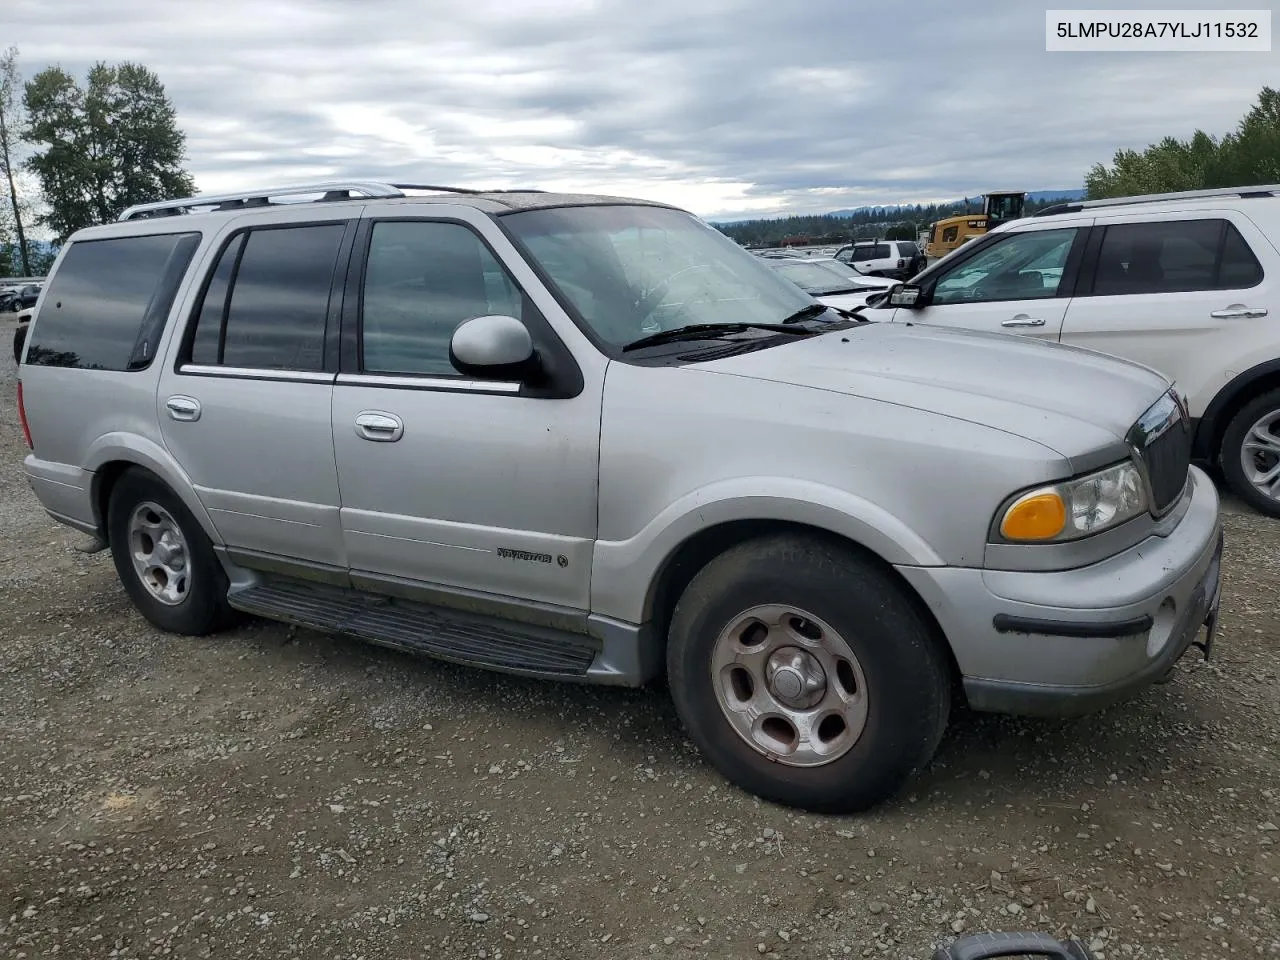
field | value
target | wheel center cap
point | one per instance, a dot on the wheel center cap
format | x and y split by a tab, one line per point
795	678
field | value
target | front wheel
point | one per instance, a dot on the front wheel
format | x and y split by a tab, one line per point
1250	455
806	675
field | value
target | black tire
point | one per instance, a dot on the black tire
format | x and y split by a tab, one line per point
203	608
19	340
1230	453
906	674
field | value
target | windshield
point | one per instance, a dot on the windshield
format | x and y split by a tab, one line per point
814	278
632	271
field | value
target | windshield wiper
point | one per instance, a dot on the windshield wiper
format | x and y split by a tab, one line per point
710	331
804	313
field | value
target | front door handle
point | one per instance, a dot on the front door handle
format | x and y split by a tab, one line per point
381	427
183	408
1022	320
1238	311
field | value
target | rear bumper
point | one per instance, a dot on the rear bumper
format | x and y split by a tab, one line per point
1074	641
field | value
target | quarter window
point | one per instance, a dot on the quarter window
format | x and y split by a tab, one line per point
267	301
1174	256
423	279
108	302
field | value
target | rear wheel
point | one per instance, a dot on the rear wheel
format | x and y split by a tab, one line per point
806	675
164	558
19	340
1250	455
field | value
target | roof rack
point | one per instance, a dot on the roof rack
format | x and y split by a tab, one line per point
1269	190
267	196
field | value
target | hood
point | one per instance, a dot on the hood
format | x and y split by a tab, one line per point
1072	400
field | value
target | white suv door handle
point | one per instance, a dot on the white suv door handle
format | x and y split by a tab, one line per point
183	408
1238	311
1022	320
381	427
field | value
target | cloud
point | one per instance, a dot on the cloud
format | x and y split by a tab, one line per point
729	107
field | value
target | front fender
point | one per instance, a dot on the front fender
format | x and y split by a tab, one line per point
130	448
623	570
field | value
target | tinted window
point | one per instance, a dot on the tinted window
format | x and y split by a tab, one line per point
204	349
1173	256
279	300
108	302
421	282
1021	266
1240	268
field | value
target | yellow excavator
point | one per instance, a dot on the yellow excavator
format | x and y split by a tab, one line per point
998	206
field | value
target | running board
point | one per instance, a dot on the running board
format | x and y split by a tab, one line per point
439	632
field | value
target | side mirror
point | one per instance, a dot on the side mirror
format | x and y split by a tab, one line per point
494	347
906	295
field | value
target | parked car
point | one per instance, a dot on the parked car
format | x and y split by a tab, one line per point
594	439
834	288
20	332
898	259
1186	283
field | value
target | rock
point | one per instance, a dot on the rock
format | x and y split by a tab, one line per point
768	833
877	907
1091	905
762	948
478	917
958	925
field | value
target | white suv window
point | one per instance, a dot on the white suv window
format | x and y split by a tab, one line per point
1021	266
1174	256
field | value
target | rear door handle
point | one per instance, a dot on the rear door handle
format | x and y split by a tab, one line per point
380	427
183	408
1238	311
1022	320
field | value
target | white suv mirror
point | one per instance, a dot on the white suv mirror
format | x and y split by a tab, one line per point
493	346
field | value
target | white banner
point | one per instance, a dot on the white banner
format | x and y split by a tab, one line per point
1135	31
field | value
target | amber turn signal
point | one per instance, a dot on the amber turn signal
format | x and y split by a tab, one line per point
1040	515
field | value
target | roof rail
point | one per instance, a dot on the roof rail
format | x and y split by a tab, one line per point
331	190
263	197
1267	190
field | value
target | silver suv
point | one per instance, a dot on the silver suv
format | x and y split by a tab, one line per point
594	439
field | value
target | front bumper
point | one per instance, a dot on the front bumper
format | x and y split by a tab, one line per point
1074	641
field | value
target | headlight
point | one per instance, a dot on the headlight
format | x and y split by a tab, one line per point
1076	508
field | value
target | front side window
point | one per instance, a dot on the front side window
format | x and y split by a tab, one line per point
1020	266
1174	256
423	279
108	302
267	301
632	270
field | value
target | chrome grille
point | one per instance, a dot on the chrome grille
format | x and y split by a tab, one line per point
1162	440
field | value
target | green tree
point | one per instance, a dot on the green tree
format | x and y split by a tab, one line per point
12	131
105	146
1248	156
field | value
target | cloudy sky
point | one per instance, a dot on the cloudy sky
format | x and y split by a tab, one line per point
728	107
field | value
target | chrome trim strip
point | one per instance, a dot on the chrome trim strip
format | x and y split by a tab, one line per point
428	383
251	373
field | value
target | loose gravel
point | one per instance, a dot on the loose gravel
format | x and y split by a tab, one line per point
276	793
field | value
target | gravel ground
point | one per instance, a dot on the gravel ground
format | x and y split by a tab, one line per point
274	793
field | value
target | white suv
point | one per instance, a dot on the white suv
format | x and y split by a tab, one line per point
1186	283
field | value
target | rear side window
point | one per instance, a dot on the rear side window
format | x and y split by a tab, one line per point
107	304
267	301
1174	256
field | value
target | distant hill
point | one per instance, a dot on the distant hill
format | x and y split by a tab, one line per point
1035	196
896	222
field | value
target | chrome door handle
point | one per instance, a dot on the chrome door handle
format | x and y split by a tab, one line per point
183	408
1022	320
382	427
1238	311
